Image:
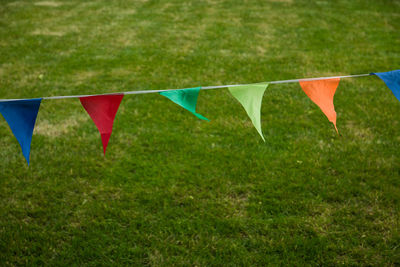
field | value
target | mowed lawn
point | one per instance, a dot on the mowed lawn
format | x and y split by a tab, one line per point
175	190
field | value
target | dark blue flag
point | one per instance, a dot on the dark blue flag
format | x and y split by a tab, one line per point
392	80
21	117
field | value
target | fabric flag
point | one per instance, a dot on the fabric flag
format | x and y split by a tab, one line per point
186	98
250	96
321	92
102	109
21	117
392	80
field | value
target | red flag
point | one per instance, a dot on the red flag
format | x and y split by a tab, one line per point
321	92
102	109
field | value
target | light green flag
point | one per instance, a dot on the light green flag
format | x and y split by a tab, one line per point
250	96
186	98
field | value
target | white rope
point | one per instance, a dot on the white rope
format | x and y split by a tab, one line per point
202	88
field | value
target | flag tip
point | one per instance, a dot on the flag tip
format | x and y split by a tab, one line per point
334	124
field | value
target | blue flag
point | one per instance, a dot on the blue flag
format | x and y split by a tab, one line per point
186	98
21	117
392	80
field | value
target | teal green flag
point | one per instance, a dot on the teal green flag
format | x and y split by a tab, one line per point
186	98
250	96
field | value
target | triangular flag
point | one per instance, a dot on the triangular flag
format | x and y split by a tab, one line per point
21	117
392	80
102	109
321	92
186	98
250	96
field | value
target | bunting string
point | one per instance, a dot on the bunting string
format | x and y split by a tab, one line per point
21	114
202	88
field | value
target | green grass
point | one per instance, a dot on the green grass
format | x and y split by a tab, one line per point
175	190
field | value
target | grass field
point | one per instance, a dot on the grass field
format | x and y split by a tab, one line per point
175	190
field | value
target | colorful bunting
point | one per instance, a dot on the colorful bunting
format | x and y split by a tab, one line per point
21	114
102	109
250	96
21	117
186	98
321	92
392	80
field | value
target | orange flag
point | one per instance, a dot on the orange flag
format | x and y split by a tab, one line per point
321	92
